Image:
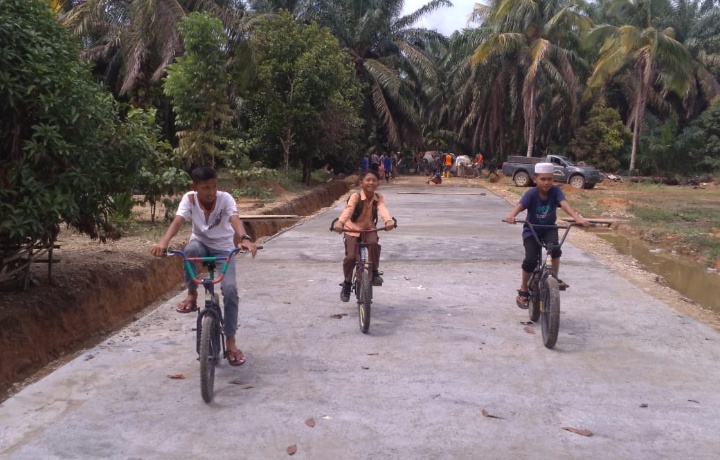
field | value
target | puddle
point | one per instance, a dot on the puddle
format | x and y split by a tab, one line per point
688	278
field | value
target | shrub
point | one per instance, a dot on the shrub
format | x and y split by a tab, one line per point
63	150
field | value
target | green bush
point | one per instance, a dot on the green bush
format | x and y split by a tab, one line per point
63	150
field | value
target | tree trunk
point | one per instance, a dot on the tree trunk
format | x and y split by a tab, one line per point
531	122
286	143
636	139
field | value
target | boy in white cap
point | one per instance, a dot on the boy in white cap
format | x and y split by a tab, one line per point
541	203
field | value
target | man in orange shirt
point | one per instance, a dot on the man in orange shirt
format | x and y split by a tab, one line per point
448	164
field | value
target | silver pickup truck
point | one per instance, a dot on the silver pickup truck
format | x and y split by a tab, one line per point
522	171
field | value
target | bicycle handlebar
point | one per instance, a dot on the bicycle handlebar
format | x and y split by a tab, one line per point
345	230
188	263
567	228
570	221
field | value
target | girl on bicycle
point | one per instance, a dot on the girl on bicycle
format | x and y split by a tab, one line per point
541	203
361	213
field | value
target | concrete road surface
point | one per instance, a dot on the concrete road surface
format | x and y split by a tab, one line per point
448	370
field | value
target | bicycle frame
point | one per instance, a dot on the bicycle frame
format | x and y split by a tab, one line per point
362	259
542	271
212	302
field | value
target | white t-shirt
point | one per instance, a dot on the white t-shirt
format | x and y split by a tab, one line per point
216	232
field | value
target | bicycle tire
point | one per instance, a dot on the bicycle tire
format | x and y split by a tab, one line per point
534	300
550	317
209	352
364	301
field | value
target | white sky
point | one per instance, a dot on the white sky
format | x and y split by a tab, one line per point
444	20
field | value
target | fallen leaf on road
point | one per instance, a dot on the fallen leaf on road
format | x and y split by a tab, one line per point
529	330
373	354
643	405
581	432
288	303
338	315
408	278
247	387
489	415
176	376
327	417
310	422
238	382
365	367
292	449
692	400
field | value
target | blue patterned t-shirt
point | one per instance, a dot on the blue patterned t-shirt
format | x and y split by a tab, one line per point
540	211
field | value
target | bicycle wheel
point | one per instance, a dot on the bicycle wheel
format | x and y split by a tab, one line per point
550	306
534	301
209	353
364	300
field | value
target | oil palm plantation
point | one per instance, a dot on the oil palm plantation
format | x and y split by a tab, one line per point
133	42
640	52
390	56
531	46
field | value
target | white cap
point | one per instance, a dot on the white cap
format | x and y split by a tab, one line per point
543	168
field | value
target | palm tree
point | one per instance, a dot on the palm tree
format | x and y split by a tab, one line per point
698	25
532	43
389	55
135	41
643	54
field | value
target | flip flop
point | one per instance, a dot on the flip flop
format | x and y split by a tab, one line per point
562	285
523	300
186	306
235	358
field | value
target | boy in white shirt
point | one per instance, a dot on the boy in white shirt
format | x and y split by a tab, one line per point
215	222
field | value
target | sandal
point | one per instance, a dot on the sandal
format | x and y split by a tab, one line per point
523	299
562	285
235	358
187	306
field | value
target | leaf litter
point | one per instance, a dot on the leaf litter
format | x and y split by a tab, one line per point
581	432
489	415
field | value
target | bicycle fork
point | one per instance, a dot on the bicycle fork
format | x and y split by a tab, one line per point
212	308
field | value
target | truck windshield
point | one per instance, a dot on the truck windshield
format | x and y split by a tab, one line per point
567	160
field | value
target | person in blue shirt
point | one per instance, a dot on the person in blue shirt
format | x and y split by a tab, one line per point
541	203
365	164
388	167
435	179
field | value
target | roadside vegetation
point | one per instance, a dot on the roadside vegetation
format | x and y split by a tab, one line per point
103	100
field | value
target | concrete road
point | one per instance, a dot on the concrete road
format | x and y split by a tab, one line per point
446	345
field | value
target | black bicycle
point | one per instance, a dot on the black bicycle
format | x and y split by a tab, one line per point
362	282
210	343
544	286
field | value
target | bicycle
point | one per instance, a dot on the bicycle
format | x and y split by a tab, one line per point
362	281
209	337
544	287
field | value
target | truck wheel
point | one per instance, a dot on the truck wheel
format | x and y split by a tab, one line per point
577	181
521	179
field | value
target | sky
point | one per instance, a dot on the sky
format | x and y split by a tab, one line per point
444	20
